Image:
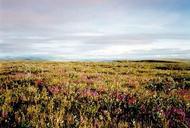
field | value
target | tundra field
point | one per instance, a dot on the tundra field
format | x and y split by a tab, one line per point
118	94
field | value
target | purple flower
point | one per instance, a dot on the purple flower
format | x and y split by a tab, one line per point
176	113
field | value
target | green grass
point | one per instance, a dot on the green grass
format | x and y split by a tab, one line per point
95	94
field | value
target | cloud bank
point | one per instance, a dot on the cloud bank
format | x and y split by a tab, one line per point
95	29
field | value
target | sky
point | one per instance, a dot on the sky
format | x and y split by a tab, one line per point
95	29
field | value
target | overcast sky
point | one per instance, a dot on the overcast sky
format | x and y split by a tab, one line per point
95	29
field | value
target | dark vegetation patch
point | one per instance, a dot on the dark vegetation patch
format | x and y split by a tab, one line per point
173	67
161	84
17	83
156	61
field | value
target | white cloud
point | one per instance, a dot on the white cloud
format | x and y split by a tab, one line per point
182	44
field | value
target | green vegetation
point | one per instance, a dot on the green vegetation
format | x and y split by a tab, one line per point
120	94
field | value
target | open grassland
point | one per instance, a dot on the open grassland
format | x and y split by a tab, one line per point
120	94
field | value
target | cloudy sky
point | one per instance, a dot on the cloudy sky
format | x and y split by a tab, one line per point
95	29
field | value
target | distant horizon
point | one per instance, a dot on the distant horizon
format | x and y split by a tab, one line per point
45	58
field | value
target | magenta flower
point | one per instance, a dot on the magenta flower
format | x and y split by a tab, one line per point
132	100
176	113
39	83
54	89
4	114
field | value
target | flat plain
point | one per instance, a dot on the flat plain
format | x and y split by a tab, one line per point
122	94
